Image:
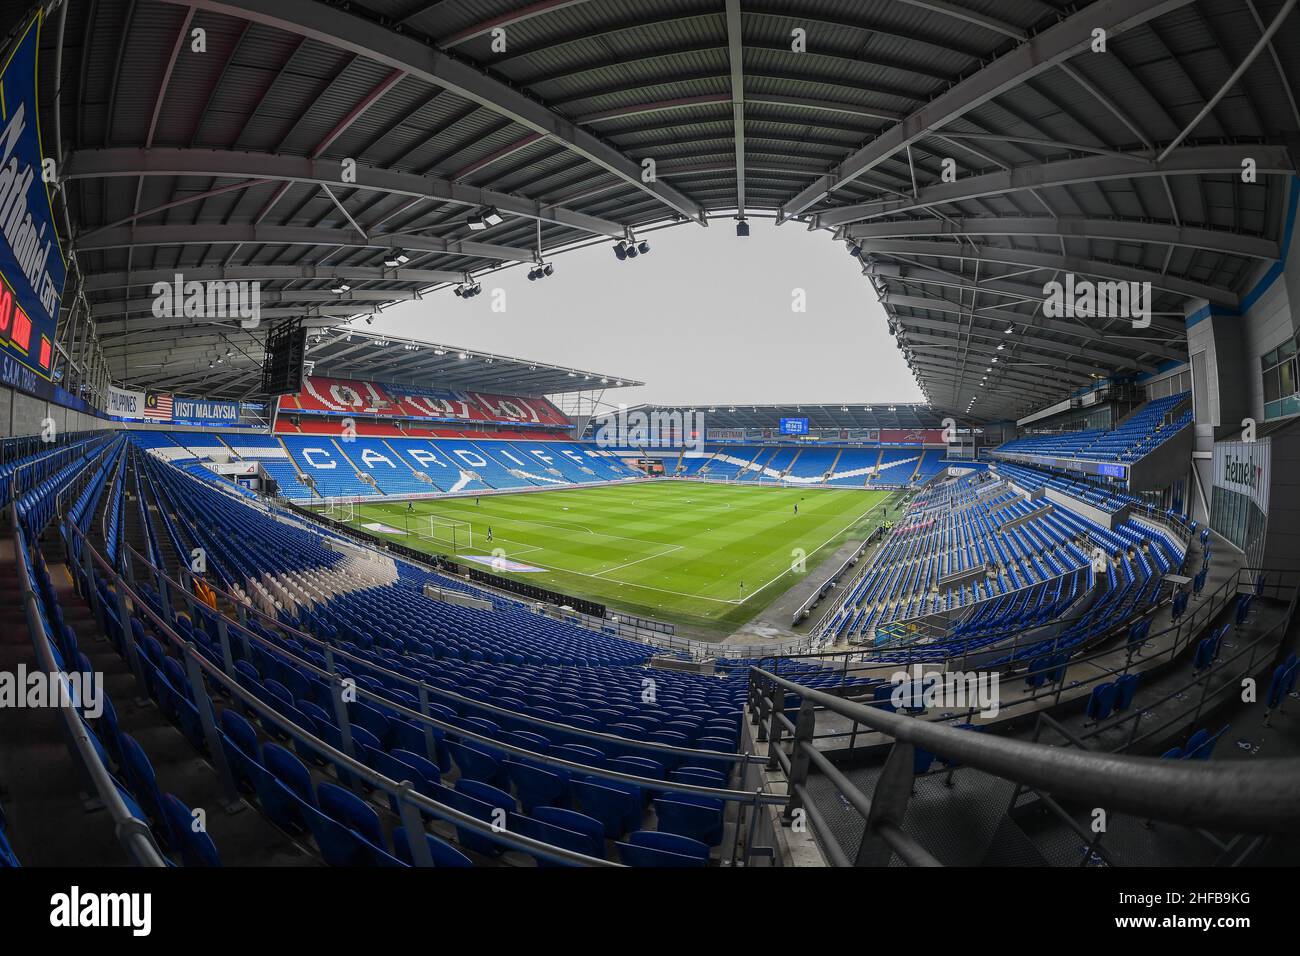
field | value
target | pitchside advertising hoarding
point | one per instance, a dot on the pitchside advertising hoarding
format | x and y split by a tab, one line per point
32	268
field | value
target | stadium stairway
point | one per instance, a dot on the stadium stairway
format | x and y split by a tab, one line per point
41	794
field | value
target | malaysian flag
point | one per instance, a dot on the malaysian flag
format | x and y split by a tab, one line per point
158	405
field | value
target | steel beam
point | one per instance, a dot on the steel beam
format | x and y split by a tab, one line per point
126	237
1054	45
1075	227
337	27
326	173
1189	161
1043	260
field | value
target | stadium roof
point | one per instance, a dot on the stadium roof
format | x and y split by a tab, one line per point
1118	165
387	358
819	416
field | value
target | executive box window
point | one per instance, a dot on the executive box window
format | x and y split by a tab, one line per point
1281	381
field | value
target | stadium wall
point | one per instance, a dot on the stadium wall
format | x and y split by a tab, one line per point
23	414
1226	348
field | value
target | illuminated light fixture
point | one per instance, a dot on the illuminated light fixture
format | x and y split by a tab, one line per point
573	375
619	382
396	258
439	351
464	355
1001	346
532	368
341	288
1009	329
604	381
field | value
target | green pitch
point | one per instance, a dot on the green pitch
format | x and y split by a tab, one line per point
710	556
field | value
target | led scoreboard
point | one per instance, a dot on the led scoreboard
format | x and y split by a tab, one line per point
794	426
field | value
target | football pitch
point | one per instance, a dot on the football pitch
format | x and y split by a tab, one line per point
708	556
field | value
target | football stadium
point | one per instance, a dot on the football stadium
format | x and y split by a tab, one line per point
310	559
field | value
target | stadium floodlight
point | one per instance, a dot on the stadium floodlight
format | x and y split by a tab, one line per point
855	250
643	247
464	355
439	351
341	288
548	269
632	250
742	228
620	250
1001	346
492	217
1009	329
396	258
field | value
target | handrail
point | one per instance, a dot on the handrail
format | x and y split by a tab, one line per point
433	690
402	792
133	833
1188	629
865	654
1255	797
1148	514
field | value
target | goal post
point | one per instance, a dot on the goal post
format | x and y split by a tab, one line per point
345	512
451	533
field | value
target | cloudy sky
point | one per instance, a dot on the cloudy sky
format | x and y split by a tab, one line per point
704	318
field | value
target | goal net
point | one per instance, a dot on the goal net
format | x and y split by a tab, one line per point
450	533
346	512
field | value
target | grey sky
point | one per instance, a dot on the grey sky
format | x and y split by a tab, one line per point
704	318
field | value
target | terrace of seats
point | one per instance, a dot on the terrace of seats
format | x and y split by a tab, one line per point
1139	435
1019	564
472	662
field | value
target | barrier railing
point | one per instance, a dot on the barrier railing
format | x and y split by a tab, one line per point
1223	796
132	833
749	803
1188	628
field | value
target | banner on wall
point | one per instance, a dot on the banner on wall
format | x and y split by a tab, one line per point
32	268
912	436
1243	467
125	404
197	411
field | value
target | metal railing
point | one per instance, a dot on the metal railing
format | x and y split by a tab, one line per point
134	834
1226	796
749	803
1057	680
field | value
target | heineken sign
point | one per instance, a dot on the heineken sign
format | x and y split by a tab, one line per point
1242	467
